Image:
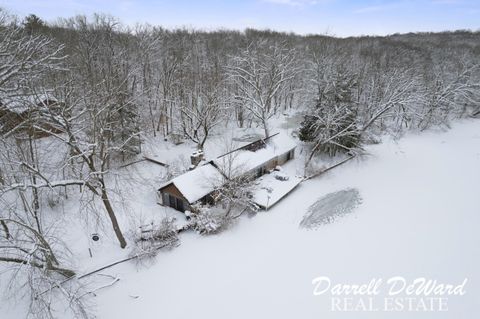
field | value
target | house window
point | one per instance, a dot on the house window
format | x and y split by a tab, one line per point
180	206
164	198
260	171
172	201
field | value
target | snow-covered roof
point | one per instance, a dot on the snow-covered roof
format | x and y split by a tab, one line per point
198	182
270	190
245	160
20	104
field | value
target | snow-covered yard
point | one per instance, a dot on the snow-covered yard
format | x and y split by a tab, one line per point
419	216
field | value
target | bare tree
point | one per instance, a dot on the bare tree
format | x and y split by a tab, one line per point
206	109
27	245
87	125
35	257
23	57
393	97
168	69
260	76
450	97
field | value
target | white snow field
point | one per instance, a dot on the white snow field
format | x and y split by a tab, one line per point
419	216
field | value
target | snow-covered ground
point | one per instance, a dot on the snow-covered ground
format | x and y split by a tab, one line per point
419	217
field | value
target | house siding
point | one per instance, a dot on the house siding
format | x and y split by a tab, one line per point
272	163
285	157
170	196
172	189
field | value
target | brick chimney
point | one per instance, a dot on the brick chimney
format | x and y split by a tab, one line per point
196	158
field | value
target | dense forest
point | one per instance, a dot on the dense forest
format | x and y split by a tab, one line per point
99	88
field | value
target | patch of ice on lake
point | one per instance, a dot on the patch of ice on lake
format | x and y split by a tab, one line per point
330	207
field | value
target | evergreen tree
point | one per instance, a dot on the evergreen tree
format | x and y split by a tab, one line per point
333	117
33	23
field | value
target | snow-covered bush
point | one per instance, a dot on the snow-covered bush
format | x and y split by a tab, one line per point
151	238
209	220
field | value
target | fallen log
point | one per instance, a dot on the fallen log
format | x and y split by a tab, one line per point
131	163
98	270
155	161
329	168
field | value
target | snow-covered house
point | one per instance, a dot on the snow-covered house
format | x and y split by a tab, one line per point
190	187
254	159
15	111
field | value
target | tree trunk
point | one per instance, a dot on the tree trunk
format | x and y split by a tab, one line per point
113	218
63	271
265	128
36	202
204	139
5	229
